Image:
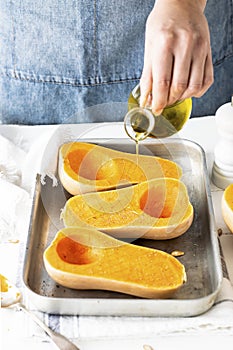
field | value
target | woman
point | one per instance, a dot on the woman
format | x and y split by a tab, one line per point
59	57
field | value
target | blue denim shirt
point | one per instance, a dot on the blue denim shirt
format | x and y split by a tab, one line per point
58	57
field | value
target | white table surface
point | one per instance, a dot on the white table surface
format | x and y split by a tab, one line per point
18	331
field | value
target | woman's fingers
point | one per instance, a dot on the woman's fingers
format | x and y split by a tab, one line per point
146	82
208	77
157	71
201	71
181	67
162	77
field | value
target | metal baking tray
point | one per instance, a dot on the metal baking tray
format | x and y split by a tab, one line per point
199	243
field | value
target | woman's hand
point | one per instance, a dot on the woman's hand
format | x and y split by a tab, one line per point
177	60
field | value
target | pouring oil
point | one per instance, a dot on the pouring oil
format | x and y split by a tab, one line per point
138	123
168	123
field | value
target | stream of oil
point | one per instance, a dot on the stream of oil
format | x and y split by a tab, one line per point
139	136
137	152
137	157
137	139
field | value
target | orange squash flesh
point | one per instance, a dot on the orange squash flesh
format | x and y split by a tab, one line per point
227	206
155	209
3	284
85	167
83	258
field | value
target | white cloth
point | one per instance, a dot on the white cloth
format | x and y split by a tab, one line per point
14	210
15	201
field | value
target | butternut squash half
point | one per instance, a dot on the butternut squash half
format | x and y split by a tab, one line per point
85	167
155	209
83	258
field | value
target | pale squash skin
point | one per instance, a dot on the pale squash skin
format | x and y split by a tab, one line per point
108	264
127	212
84	167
